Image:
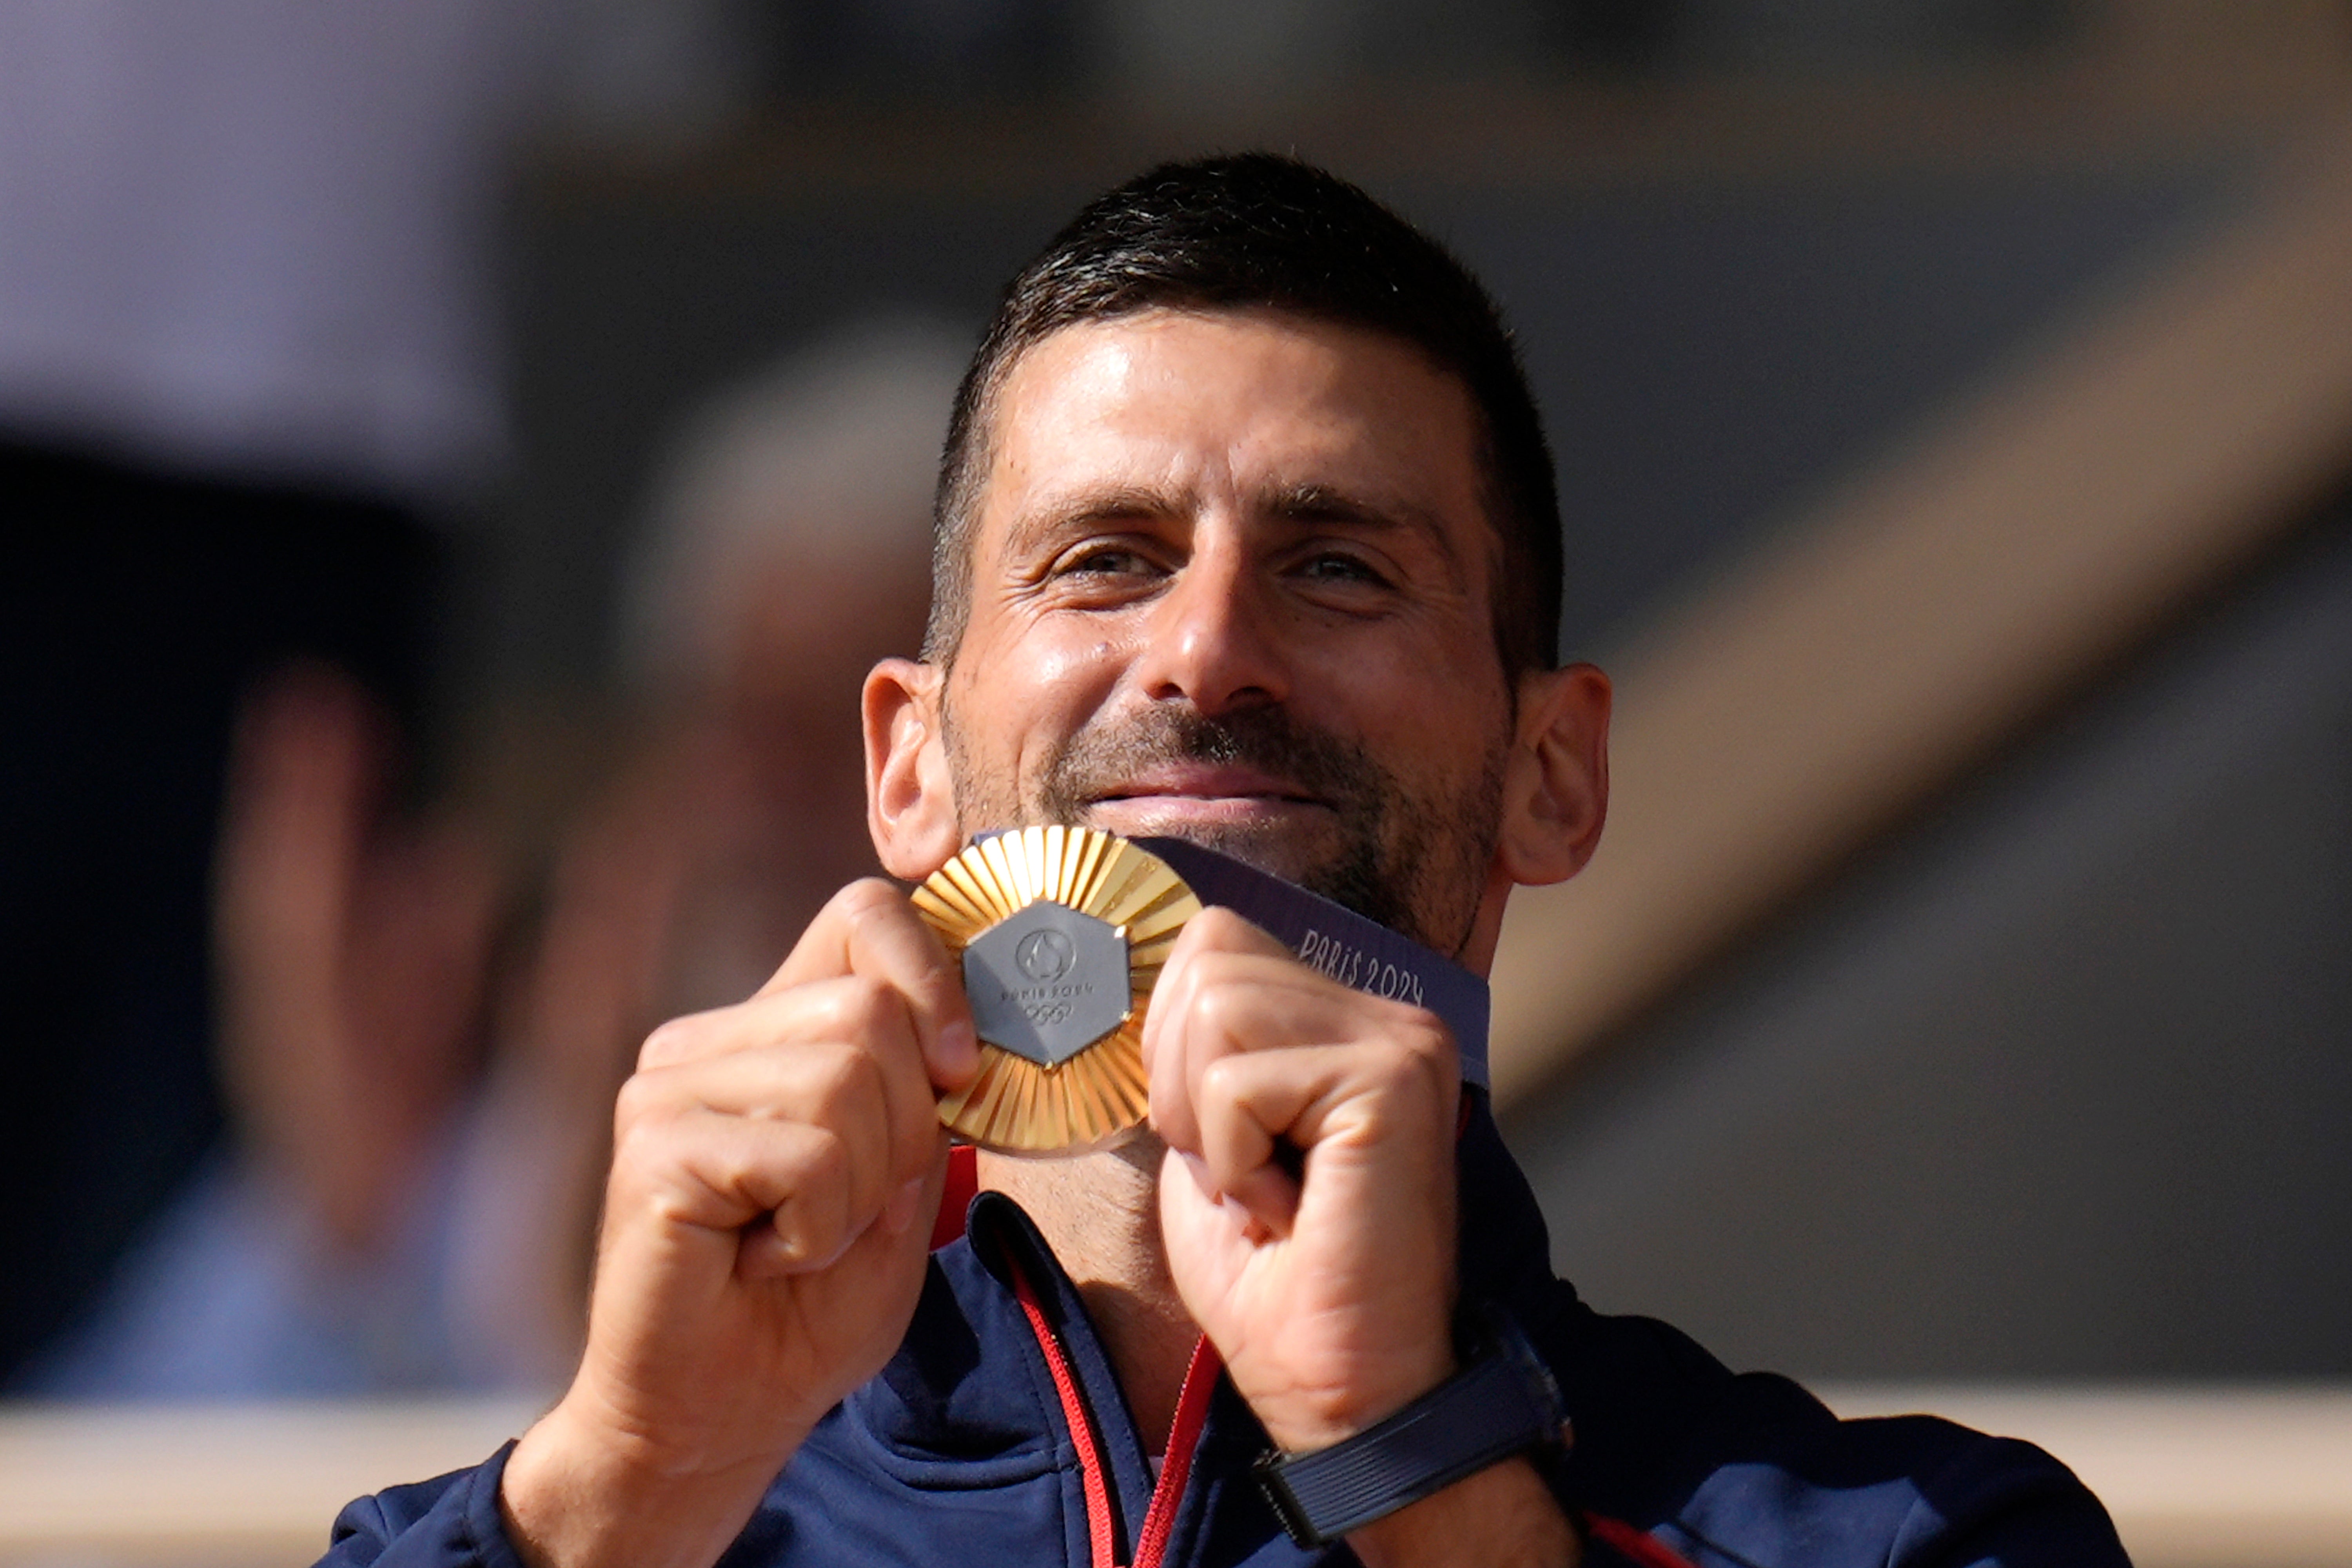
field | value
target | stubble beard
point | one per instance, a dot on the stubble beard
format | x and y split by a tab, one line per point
1415	861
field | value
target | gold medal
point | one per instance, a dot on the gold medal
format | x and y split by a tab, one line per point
1061	932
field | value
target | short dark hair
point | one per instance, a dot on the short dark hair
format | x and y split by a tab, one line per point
1259	231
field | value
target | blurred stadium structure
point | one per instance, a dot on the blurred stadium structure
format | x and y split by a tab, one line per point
2206	1478
1954	405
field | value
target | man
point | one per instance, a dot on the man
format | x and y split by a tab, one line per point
1246	535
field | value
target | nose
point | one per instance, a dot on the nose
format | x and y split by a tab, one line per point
1211	639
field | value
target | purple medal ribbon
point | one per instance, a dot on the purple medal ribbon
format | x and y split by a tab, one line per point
1337	942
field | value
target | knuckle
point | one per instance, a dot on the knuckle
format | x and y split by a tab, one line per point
1422	1065
819	1163
635	1105
843	1085
1400	1064
1221	1079
866	1005
673	1041
873	1015
869	899
1417	1034
1217	1008
1429	1038
1216	921
638	1140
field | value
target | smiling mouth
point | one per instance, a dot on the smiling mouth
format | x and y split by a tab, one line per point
1213	819
1191	801
1254	776
1208	788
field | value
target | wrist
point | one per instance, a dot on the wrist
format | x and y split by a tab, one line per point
579	1491
1302	1424
1504	1404
1504	1515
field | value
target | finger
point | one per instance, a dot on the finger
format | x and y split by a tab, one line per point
1268	1121
1197	962
1162	1038
880	1094
1196	966
775	1115
767	1254
1222	1002
831	1052
1219	929
1251	1108
1212	930
846	1008
870	1014
800	1193
831	1201
718	1173
869	927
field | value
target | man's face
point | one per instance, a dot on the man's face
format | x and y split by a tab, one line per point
1232	581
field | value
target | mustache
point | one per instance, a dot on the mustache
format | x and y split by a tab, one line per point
1336	773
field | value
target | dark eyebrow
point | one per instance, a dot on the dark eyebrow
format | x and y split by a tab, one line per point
1085	510
1323	504
1082	511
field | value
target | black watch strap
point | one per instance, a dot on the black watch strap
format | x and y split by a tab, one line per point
1503	1403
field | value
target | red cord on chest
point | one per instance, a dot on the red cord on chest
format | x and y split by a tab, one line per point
1175	1473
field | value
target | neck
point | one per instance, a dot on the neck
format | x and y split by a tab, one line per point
1100	1214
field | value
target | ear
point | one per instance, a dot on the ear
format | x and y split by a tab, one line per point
1556	787
911	806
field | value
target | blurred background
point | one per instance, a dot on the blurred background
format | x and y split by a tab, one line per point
459	457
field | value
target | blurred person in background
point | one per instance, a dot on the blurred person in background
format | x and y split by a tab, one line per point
402	1214
250	383
246	380
787	547
789	538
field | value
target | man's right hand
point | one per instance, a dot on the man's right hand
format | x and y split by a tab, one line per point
775	1168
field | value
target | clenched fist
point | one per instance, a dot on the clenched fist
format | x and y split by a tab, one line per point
761	1253
1307	1195
1307	1204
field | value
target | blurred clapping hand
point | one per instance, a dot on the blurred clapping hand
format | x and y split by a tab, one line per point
426	1009
353	942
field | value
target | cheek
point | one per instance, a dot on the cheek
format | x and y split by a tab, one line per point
1414	692
1033	692
1069	672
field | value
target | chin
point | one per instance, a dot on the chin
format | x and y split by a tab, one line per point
1284	849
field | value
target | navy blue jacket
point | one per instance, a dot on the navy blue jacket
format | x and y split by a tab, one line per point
960	1450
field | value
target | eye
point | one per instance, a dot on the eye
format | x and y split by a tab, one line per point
1341	566
1105	559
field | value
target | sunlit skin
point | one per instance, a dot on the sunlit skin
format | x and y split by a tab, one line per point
1145	544
1219	517
1227	568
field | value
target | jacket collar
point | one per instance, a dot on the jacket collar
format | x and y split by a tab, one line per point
969	1381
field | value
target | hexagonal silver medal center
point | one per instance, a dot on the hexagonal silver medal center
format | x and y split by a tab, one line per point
1047	983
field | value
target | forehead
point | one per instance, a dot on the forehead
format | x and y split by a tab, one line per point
1186	403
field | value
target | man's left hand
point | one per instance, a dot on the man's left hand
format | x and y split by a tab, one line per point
1308	1196
1306	1202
